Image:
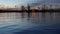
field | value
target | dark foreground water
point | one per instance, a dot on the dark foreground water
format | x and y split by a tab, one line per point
32	23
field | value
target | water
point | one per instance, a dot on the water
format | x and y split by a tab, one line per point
32	23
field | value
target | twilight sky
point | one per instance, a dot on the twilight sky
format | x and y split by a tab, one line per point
31	2
12	2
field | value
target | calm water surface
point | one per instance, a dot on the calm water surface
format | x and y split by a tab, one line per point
32	23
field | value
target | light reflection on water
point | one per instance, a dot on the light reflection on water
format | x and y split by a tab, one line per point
33	23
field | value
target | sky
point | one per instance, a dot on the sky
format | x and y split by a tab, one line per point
8	2
12	2
31	2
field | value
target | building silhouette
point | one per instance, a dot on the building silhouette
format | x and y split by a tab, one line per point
44	7
50	6
28	8
22	8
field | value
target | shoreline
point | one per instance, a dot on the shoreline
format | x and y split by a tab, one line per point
30	11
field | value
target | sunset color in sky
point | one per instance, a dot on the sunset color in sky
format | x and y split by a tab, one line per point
12	2
25	2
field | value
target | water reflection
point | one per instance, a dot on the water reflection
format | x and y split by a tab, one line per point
32	17
21	23
40	18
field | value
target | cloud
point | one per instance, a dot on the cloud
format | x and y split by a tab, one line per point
31	2
45	2
51	1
